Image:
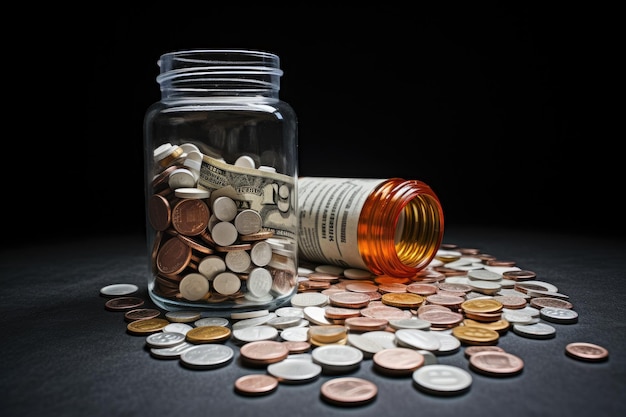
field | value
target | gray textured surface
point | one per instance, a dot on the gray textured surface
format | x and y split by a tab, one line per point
63	354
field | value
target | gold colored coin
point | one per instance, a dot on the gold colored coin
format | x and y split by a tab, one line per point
328	333
499	326
474	335
208	334
402	300
147	326
482	305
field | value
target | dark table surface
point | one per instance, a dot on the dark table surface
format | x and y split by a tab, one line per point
64	354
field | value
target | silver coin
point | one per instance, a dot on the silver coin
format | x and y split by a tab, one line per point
418	339
207	356
559	315
164	340
294	370
117	290
535	331
212	321
442	379
337	358
173	352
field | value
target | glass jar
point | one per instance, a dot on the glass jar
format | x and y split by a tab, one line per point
387	226
220	156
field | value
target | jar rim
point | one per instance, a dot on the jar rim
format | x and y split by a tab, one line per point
217	57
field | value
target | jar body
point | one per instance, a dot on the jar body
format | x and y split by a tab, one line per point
387	226
220	156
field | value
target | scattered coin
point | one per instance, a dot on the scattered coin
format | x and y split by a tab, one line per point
123	303
496	363
119	290
141	314
349	391
442	379
294	370
587	352
256	384
207	356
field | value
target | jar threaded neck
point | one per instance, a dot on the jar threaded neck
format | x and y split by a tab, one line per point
206	73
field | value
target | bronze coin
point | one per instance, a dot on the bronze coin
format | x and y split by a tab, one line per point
159	212
190	216
349	391
587	352
141	314
123	303
256	384
173	257
495	363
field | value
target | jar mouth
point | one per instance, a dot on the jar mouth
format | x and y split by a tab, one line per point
216	68
218	58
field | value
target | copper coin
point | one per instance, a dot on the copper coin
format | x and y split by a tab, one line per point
398	361
511	301
173	257
385	312
349	391
159	212
190	216
262	235
392	287
195	245
587	352
341	313
256	384
499	262
365	324
522	275
123	303
264	352
439	318
349	299
386	279
470	350
496	363
541	302
297	346
445	300
323	276
360	286
469	251
421	288
160	181
141	314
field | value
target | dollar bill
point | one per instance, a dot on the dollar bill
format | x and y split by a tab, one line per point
272	195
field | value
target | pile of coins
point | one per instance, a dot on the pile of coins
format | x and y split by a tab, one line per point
342	317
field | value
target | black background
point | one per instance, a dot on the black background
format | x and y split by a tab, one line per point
508	113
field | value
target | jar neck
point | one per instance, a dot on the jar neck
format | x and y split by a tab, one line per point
219	73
